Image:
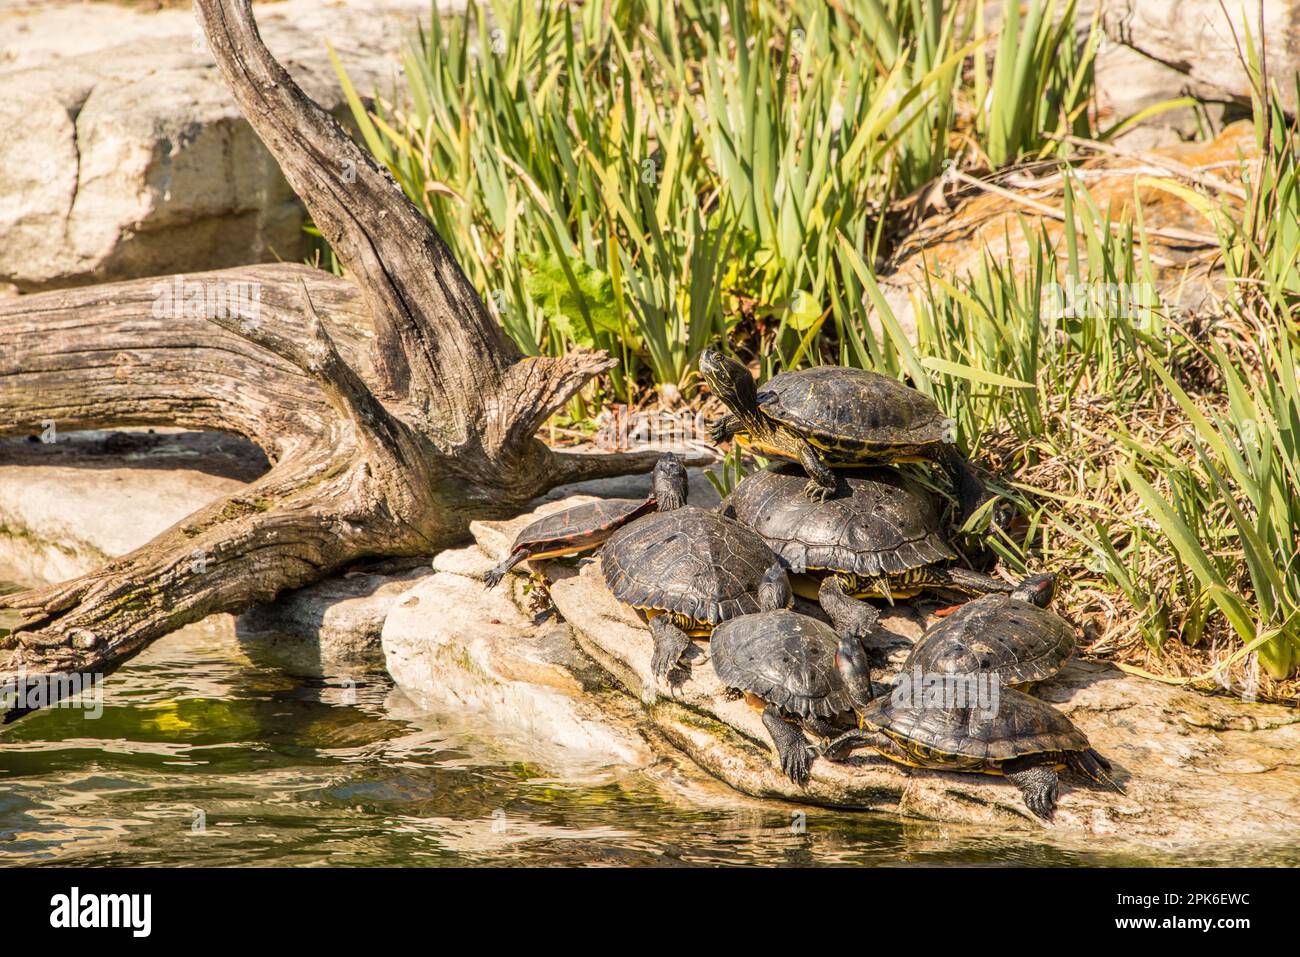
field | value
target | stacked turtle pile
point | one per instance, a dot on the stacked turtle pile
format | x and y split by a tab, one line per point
841	527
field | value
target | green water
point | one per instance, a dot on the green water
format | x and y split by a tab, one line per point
292	767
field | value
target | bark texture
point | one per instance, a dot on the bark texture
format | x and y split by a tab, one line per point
393	407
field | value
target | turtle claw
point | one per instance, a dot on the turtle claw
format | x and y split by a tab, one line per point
797	764
793	749
676	676
667	663
1040	787
816	492
493	576
718	431
1043	805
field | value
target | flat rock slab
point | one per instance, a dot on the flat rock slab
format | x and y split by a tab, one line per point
338	619
1201	38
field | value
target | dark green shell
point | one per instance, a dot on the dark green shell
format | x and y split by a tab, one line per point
785	658
581	525
839	408
884	526
1022	726
996	634
689	561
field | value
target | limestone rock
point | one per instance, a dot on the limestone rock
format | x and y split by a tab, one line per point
453	645
1196	38
338	619
68	506
126	154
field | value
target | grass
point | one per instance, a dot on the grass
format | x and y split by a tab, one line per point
647	177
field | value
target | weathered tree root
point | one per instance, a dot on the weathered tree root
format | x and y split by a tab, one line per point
387	437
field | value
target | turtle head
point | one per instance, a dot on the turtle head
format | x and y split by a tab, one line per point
774	590
669	483
730	381
1036	589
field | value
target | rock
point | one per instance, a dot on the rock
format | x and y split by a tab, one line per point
126	154
1190	764
452	645
953	244
338	619
1128	82
1200	38
68	506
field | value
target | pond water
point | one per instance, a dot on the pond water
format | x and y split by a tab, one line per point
210	751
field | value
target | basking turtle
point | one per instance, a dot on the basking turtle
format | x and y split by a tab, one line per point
1012	636
881	539
686	570
587	526
800	673
1023	738
836	416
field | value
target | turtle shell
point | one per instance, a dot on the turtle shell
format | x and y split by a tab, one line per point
581	526
1022	726
996	634
853	410
884	526
689	561
783	657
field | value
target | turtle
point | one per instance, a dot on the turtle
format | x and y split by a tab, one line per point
584	527
802	674
881	539
686	570
1015	637
836	416
1020	737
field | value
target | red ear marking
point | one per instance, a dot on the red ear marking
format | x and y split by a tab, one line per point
945	612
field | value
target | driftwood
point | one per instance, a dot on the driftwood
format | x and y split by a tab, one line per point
392	406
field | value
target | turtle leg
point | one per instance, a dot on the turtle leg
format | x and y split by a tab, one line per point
838	748
792	747
1038	785
671	643
825	728
1095	768
721	429
821	478
971	493
967	581
493	576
